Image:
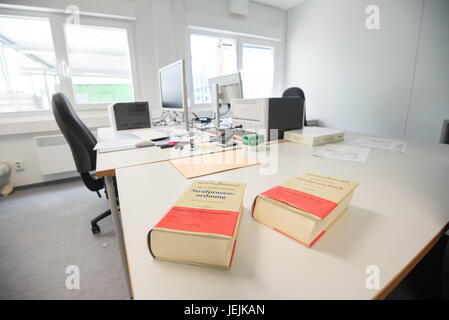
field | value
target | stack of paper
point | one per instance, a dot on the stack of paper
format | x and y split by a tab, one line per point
343	152
314	136
359	149
151	134
379	143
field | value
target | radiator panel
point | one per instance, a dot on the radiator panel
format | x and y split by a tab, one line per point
53	154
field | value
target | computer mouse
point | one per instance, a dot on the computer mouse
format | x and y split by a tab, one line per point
144	143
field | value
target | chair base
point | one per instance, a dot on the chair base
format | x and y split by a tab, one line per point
94	223
445	272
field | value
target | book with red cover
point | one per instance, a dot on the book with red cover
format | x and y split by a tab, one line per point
305	206
202	226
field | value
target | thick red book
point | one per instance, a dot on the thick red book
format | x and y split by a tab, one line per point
202	226
304	207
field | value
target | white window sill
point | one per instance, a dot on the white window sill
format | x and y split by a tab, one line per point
23	124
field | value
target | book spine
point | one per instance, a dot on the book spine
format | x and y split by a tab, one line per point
149	243
232	254
287	235
304	244
253	206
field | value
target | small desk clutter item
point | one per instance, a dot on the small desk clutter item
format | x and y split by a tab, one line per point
305	206
253	139
225	138
314	136
144	143
201	228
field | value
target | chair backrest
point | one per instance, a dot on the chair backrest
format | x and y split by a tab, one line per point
78	136
296	92
445	132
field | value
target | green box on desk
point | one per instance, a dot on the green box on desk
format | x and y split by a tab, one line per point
253	139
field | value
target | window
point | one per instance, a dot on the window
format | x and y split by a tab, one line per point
257	71
214	55
211	57
40	54
28	64
99	64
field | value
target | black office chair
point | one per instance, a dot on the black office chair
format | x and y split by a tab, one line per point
296	92
445	132
445	272
82	143
445	266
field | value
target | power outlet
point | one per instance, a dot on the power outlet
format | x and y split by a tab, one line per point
19	165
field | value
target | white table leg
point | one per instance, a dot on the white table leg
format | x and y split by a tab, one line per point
118	228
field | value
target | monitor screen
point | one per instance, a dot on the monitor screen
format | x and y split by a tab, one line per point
229	92
229	87
171	81
285	114
132	115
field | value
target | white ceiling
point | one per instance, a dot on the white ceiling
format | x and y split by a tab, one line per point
283	4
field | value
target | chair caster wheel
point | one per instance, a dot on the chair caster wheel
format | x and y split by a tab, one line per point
95	229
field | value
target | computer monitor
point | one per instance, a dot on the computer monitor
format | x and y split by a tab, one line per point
223	90
129	115
173	89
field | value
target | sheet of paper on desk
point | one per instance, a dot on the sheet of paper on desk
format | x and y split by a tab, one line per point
115	145
343	152
210	163
379	143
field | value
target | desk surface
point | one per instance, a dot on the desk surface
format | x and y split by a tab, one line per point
398	209
108	162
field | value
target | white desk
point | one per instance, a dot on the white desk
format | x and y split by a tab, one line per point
397	214
108	162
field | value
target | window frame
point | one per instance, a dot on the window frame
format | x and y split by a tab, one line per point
239	40
189	71
107	23
57	21
266	44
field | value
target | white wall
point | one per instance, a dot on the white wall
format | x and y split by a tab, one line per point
173	18
361	80
430	97
161	35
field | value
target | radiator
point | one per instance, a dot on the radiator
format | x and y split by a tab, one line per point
53	154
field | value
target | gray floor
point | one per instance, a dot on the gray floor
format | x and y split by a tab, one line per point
47	228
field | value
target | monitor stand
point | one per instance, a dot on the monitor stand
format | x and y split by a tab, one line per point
176	128
215	104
